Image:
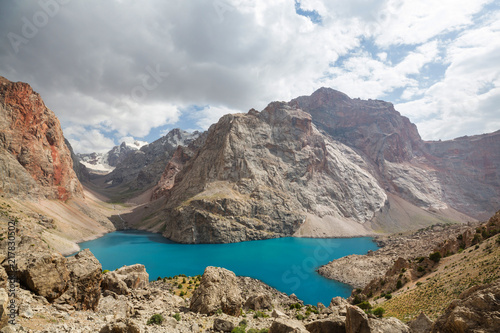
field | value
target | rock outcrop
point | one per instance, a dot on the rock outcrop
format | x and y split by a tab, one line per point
84	290
218	290
124	279
262	175
476	311
34	159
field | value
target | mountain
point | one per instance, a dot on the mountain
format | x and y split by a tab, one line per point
35	161
323	165
134	171
462	174
106	162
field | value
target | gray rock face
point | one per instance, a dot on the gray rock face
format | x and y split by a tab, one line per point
260	175
476	311
218	290
388	325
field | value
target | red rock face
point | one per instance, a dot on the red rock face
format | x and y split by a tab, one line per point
32	135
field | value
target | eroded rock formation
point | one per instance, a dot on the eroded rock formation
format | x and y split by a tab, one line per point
34	158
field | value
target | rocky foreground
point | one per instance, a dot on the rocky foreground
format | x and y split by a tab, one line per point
58	294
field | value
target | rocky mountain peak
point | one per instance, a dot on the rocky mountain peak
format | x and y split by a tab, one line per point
373	126
35	158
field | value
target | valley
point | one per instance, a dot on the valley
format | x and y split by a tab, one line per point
318	166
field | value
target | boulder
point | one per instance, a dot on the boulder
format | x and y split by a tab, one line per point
278	314
121	326
287	326
218	290
222	325
476	311
45	274
111	281
356	321
388	325
259	302
329	325
135	276
125	278
338	306
421	324
119	307
84	288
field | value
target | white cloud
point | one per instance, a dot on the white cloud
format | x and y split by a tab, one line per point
136	71
87	141
467	100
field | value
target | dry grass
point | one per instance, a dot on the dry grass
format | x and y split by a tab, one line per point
433	293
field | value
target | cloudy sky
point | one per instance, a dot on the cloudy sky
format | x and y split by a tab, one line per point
120	69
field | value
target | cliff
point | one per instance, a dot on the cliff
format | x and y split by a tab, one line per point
35	160
264	174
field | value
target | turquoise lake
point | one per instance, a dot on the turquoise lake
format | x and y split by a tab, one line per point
287	264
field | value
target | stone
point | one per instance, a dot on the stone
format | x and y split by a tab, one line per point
329	325
223	325
218	290
356	321
119	307
476	310
25	311
421	324
4	302
388	325
278	314
287	326
259	302
135	276
121	326
125	278
46	274
112	282
84	288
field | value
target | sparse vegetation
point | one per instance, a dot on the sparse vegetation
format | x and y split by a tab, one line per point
156	319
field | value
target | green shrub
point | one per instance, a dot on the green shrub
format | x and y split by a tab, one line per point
179	286
379	312
420	269
262	330
260	314
420	259
155	319
177	316
388	296
238	329
365	305
435	256
243	323
297	306
299	316
399	284
105	271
